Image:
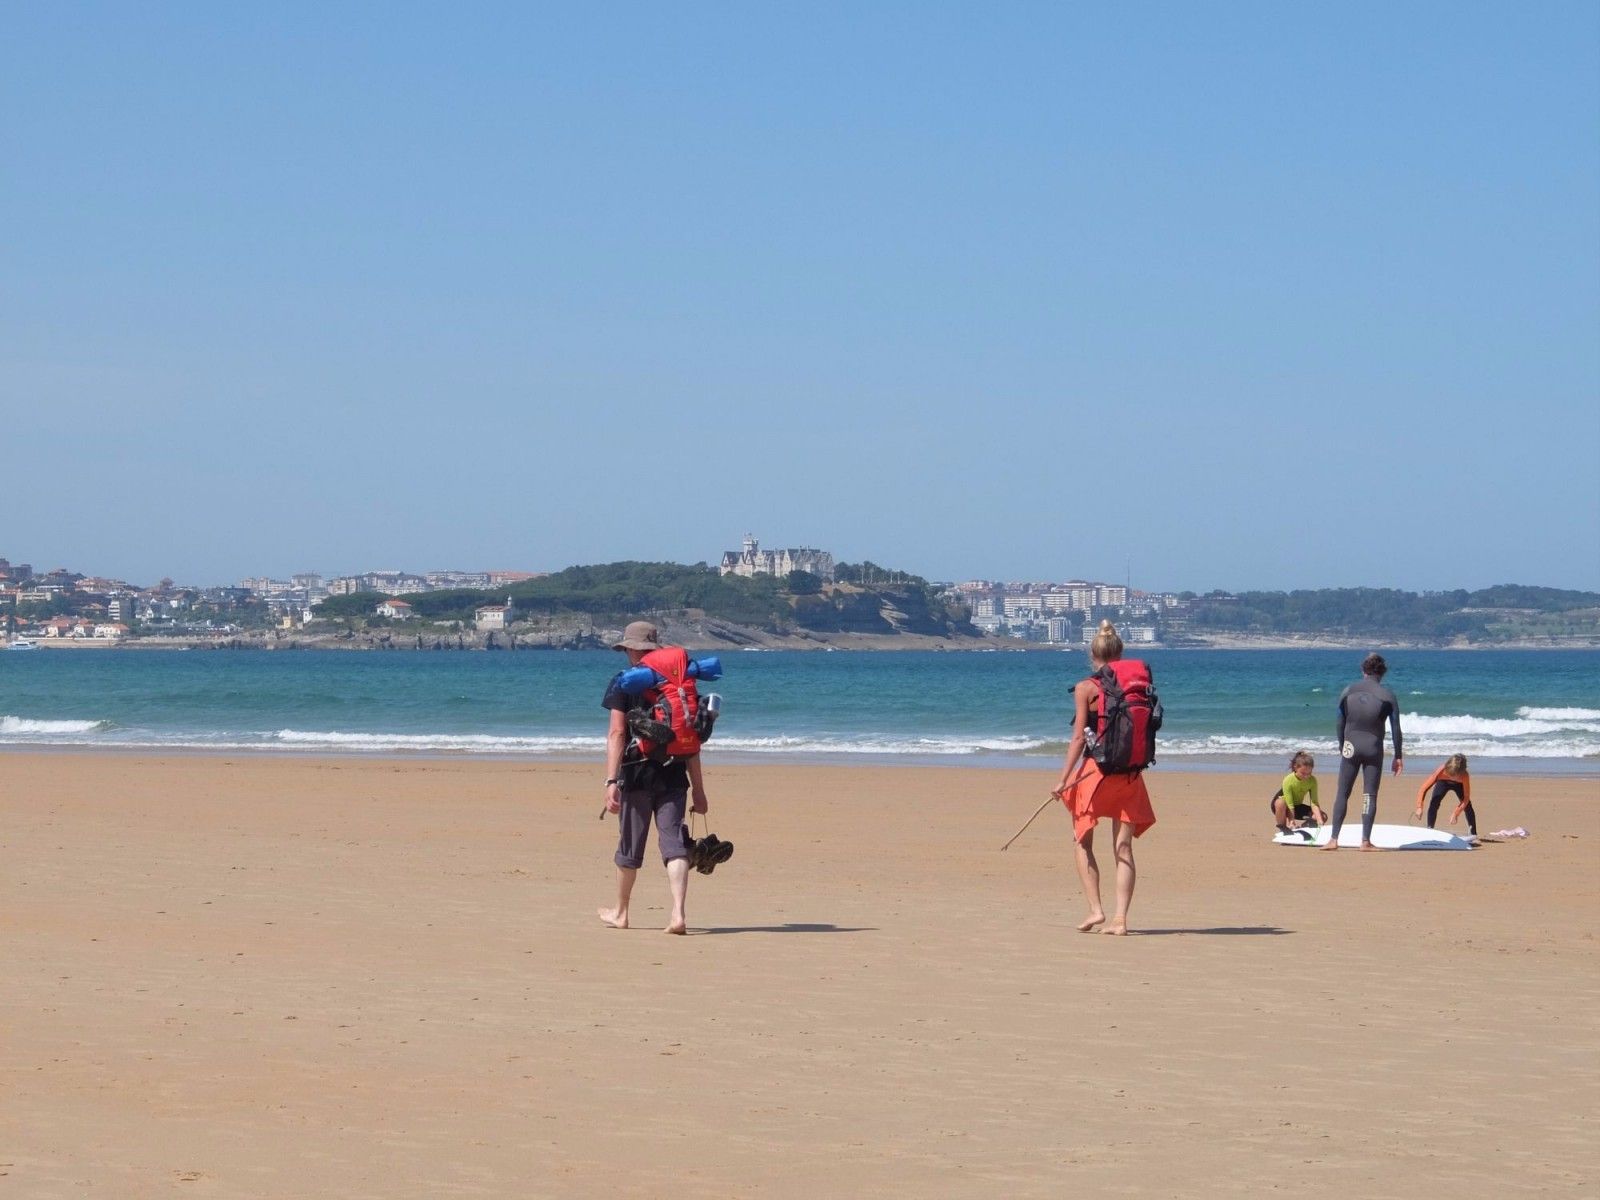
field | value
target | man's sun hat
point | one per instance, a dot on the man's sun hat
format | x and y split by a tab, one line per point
639	635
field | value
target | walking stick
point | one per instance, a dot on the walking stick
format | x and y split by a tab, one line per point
1048	800
1056	795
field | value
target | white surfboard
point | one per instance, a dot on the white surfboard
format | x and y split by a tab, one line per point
1385	837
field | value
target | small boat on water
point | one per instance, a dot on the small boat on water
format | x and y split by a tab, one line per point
21	644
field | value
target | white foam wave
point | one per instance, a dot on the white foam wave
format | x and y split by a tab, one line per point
1220	746
1559	714
1230	744
477	743
878	744
27	725
1533	733
1418	725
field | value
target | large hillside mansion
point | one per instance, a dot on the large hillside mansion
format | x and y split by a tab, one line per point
753	560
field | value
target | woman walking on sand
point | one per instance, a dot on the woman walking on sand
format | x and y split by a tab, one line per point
1090	795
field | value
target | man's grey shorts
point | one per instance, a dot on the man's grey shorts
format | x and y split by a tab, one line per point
667	806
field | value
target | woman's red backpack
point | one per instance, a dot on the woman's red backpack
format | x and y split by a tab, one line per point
1123	739
673	704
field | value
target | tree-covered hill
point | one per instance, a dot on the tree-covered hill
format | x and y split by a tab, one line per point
892	602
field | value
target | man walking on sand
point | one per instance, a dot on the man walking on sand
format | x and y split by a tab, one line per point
640	791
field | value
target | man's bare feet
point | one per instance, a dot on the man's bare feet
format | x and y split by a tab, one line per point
1088	923
1370	847
1117	928
678	927
613	917
1332	845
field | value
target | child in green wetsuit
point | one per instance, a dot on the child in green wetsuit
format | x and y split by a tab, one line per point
1296	800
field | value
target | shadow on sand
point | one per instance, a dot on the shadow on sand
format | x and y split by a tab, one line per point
1222	930
792	927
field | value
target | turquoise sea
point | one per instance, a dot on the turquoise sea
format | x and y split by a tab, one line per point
1527	711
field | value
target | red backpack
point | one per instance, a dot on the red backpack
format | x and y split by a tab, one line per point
674	704
1123	739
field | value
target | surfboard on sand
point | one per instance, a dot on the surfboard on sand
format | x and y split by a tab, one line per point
1385	837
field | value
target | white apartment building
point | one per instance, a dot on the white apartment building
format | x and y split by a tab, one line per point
393	582
1022	608
457	579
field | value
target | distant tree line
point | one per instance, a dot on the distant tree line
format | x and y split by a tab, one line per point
1380	612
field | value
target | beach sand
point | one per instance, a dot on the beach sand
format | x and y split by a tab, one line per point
261	977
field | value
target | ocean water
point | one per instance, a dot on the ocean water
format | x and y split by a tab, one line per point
1527	711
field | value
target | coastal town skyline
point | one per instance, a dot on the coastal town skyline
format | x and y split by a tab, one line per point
60	604
401	580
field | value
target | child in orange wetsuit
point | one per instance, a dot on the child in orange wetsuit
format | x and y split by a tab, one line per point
1090	796
1451	777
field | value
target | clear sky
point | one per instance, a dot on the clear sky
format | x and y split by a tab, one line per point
1229	294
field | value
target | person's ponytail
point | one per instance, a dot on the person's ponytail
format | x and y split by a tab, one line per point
1106	646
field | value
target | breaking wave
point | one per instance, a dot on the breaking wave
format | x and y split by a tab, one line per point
1532	733
883	743
1416	725
474	743
1559	714
27	725
779	744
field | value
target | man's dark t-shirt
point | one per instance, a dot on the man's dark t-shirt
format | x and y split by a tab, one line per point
640	772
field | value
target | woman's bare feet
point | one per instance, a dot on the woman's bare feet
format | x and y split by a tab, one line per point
1370	847
1332	845
1117	928
614	917
1088	923
678	927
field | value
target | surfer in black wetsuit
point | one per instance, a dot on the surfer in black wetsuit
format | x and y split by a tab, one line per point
1363	709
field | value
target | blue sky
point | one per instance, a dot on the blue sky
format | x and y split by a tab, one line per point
1238	295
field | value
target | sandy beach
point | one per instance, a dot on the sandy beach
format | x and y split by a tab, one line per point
263	977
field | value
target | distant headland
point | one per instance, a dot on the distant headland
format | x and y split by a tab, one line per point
762	599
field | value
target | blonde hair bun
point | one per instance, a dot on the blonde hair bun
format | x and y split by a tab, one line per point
1106	646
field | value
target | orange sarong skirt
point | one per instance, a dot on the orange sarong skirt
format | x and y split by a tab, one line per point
1120	797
